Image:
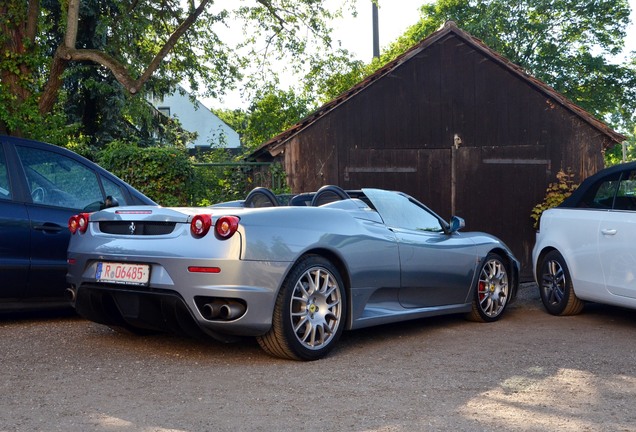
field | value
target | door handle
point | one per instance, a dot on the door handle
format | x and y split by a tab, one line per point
608	231
48	227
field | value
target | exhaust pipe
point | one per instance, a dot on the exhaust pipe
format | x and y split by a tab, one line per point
70	294
212	310
232	310
222	310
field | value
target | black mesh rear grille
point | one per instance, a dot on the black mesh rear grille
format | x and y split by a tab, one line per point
136	228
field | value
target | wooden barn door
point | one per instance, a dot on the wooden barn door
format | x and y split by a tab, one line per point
495	193
421	173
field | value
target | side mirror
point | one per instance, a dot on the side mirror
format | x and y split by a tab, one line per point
456	223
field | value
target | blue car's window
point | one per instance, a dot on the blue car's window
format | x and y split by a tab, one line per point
5	190
399	211
57	180
113	190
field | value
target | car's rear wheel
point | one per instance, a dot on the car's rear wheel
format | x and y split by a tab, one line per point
555	286
309	315
492	291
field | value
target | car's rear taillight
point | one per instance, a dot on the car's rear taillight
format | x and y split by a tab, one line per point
201	224
78	223
226	226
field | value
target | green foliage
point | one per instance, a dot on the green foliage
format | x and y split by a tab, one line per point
219	178
556	193
162	173
93	103
271	112
332	74
615	155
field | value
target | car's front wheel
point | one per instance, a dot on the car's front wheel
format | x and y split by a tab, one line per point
309	315
555	286
493	290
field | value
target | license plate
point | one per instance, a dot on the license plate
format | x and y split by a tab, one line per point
123	273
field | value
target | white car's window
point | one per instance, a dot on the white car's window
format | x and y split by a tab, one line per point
5	190
601	195
626	193
57	180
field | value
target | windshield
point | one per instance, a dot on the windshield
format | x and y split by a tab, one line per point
401	211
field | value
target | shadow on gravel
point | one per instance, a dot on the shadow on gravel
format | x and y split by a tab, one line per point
35	315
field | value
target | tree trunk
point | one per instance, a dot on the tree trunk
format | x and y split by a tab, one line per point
67	52
16	34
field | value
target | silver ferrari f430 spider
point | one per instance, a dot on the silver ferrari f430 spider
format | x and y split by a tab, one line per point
294	274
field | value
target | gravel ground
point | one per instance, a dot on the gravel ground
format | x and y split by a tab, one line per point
528	372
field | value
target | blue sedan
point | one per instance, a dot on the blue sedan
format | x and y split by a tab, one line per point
41	186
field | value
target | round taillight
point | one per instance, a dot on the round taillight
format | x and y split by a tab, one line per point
82	222
78	223
72	224
201	224
226	226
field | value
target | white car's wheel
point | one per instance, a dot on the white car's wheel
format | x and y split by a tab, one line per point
555	286
309	314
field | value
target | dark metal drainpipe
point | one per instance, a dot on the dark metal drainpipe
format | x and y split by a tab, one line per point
376	31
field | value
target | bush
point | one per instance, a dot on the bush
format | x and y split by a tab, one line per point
555	194
164	174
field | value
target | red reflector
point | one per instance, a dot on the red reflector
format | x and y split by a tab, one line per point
71	261
193	269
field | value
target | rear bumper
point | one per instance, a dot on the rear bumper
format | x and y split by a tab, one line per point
159	310
175	300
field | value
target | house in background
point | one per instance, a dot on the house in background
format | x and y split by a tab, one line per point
455	125
195	117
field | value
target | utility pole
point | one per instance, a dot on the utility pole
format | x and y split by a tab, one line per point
376	30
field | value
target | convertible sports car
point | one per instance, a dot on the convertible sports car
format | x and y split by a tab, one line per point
293	275
585	247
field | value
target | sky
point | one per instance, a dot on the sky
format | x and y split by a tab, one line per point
394	17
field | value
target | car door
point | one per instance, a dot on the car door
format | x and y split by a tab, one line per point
59	186
617	240
436	268
14	236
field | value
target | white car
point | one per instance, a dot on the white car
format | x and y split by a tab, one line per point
586	247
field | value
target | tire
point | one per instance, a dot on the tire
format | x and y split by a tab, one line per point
555	286
492	291
308	317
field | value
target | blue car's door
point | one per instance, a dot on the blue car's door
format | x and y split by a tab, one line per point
14	238
59	187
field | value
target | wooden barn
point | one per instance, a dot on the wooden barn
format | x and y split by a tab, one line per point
455	125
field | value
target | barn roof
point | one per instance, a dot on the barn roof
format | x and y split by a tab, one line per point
275	145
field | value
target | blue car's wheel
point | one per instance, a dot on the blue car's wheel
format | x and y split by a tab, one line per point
555	286
492	291
309	315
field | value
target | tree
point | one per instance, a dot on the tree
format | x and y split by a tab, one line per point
568	44
53	51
